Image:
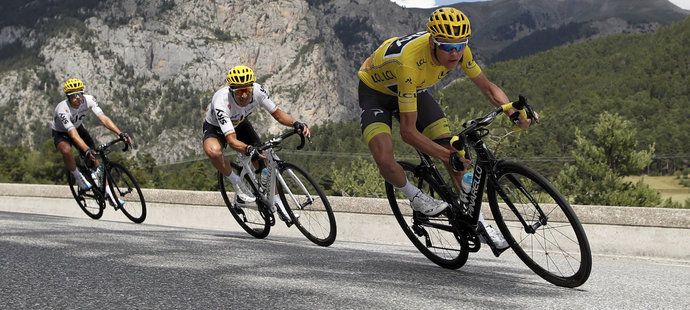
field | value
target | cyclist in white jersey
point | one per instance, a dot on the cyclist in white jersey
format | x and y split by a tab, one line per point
68	131
226	123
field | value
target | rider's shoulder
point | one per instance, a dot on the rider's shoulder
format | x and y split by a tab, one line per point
61	106
261	90
224	88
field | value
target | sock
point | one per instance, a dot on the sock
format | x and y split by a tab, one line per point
76	173
233	177
481	219
409	190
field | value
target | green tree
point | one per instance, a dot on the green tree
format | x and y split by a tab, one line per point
360	179
602	161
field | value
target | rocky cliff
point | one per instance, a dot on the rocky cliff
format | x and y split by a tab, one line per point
154	65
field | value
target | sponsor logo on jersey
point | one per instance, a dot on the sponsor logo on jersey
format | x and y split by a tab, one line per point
377	112
421	62
220	115
63	119
408	81
264	91
384	76
471	64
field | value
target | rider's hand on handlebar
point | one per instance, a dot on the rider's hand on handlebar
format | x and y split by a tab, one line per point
252	152
301	128
90	155
125	137
458	163
523	123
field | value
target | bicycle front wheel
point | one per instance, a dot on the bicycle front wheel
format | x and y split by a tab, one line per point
307	205
252	217
127	193
434	236
540	225
87	200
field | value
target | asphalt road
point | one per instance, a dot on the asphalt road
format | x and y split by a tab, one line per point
61	262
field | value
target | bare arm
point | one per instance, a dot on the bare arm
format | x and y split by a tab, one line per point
492	92
496	95
108	123
74	135
412	136
235	143
287	120
282	117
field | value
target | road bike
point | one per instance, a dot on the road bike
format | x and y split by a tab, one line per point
535	219
112	184
301	201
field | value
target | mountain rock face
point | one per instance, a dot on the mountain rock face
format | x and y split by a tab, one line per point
154	65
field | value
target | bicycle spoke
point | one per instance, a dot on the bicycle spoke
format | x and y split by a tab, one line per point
557	248
299	192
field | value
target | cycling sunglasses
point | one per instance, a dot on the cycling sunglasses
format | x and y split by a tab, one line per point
449	47
74	95
241	91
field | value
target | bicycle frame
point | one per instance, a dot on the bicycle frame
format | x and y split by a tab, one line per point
273	163
106	178
484	172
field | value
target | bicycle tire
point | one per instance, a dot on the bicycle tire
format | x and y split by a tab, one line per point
453	250
253	218
521	187
122	183
87	200
316	220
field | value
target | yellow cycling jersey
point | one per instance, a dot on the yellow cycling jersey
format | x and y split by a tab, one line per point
402	66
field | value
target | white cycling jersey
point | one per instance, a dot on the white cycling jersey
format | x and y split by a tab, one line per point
65	117
224	112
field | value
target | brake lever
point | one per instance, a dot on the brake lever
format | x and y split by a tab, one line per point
301	143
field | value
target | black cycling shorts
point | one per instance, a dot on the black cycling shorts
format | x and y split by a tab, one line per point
244	132
83	134
379	108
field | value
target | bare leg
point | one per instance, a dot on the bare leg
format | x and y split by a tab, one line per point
66	150
381	148
214	152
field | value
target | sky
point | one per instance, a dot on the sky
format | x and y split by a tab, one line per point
684	4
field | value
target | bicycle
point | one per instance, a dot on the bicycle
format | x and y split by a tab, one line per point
302	201
125	193
535	219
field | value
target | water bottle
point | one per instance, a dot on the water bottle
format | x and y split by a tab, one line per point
97	174
466	186
265	176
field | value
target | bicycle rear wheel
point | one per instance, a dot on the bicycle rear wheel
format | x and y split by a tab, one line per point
252	217
434	236
552	243
307	205
126	190
87	200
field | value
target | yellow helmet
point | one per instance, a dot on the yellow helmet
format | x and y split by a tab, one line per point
73	85
240	75
448	23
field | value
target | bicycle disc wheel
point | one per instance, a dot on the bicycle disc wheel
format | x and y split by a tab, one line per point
433	236
252	217
125	188
556	248
307	205
87	201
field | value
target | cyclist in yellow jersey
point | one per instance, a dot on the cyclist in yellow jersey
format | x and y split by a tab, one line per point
393	82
